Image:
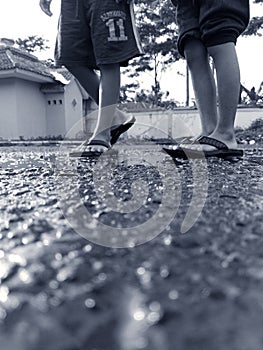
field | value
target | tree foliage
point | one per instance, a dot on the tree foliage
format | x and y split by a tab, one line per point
32	43
255	24
127	90
158	31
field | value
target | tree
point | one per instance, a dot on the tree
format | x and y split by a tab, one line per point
255	24
148	98
158	31
126	91
32	43
252	96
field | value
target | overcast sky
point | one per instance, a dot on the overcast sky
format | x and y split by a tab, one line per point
20	18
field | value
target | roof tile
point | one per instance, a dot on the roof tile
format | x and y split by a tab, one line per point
12	58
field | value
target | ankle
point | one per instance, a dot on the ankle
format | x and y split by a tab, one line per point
102	136
207	132
227	135
119	118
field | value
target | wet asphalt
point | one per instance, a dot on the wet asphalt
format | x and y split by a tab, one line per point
78	272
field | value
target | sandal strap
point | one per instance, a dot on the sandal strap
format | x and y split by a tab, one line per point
205	140
98	143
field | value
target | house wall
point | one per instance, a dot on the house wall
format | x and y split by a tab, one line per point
182	122
8	115
151	125
27	112
55	114
30	109
74	121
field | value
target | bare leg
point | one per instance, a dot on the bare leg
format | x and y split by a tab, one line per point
203	83
108	98
91	83
228	81
88	79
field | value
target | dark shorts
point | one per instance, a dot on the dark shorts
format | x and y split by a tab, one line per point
96	32
214	22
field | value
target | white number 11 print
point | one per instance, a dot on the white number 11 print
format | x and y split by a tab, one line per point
111	24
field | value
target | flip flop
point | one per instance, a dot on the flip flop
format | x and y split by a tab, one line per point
178	151
188	140
221	151
83	153
119	130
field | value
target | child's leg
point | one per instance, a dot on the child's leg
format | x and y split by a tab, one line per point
88	79
203	83
108	98
91	83
228	81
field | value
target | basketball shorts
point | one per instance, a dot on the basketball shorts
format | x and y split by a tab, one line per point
96	32
214	22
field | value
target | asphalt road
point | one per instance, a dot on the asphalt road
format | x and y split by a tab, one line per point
66	285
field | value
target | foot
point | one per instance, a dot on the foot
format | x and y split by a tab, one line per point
96	147
191	140
118	130
206	147
91	148
120	117
229	141
187	142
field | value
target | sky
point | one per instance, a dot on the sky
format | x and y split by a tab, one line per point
20	18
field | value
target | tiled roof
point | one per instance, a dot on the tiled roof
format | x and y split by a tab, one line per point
66	74
12	58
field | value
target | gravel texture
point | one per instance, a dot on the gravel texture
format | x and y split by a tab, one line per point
201	290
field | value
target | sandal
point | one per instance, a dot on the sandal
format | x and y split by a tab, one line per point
221	150
85	149
116	132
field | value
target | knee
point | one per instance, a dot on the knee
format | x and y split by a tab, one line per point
110	68
195	53
222	50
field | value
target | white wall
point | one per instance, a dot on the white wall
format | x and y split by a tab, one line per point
182	122
8	115
154	124
73	111
55	114
245	116
30	108
27	112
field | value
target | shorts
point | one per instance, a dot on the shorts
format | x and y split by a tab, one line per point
214	22
96	32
